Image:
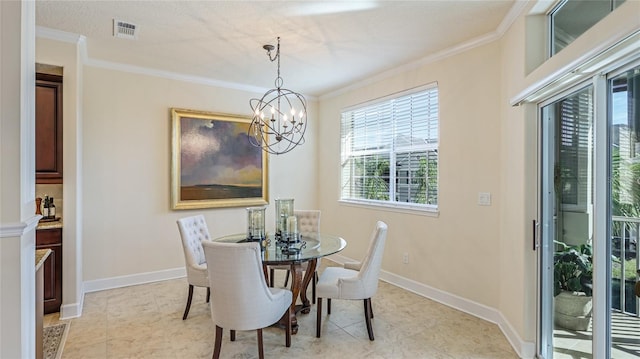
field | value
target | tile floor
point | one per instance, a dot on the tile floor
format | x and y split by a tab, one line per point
145	321
625	339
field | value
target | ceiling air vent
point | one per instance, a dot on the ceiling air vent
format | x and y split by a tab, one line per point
124	29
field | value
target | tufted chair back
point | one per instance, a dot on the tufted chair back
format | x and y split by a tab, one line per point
308	221
242	300
346	283
370	270
193	230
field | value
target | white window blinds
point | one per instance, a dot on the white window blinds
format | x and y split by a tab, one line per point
576	119
390	149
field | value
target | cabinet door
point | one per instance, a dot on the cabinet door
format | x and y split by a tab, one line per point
48	128
51	239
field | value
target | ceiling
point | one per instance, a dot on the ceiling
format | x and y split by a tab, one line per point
325	45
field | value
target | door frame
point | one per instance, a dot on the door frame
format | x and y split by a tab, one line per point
547	226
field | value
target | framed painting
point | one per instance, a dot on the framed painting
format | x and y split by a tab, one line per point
213	164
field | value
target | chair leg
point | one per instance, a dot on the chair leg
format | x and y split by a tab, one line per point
208	294
370	308
186	310
313	287
286	279
232	334
218	343
260	348
328	305
367	317
288	328
319	317
272	273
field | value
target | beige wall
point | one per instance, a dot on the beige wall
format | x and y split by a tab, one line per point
522	73
457	251
17	180
517	296
481	254
129	227
66	55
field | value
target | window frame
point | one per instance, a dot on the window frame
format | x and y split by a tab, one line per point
394	151
551	24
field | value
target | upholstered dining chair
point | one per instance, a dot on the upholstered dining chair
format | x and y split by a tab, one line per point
193	231
308	224
344	283
242	299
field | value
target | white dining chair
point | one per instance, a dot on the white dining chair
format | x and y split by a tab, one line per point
308	225
242	299
362	284
193	231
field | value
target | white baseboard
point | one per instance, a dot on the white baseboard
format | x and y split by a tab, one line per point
133	279
522	348
69	311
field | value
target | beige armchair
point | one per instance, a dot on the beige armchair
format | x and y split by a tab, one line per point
344	283
242	300
193	231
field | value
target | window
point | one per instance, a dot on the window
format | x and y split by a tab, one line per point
571	18
390	150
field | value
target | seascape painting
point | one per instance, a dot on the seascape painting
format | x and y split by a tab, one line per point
213	162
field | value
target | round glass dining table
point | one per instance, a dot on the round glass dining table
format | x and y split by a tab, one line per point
309	249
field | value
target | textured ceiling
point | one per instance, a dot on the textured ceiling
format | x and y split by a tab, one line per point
325	45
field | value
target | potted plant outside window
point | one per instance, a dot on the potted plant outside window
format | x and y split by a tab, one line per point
573	278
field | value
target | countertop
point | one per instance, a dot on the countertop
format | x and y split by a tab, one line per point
49	225
41	256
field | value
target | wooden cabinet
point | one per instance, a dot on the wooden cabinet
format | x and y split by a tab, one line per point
48	128
51	239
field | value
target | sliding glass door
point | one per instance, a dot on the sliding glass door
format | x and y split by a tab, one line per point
590	219
624	114
566	251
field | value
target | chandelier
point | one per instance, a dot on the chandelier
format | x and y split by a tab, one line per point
279	117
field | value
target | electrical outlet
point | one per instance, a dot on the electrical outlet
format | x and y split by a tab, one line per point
484	198
405	258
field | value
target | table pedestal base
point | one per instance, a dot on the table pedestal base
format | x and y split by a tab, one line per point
299	287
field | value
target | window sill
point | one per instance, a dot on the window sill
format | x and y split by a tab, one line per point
398	208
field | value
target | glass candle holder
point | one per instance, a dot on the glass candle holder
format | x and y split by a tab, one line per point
255	223
284	210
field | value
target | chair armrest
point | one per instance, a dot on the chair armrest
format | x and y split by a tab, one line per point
353	265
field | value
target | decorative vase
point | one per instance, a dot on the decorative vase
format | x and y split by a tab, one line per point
255	223
284	209
572	310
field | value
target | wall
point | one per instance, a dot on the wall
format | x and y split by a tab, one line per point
63	50
523	74
478	255
457	251
129	228
517	274
17	180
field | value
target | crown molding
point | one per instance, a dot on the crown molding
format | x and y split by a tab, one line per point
58	35
86	60
515	11
478	41
170	75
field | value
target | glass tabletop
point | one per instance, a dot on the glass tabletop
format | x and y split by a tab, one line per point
311	246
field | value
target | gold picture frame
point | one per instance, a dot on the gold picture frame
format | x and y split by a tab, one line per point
213	164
